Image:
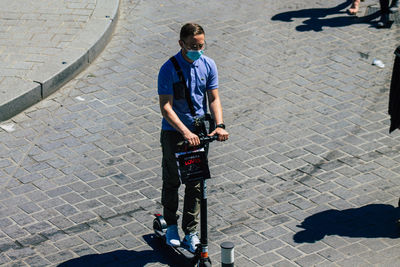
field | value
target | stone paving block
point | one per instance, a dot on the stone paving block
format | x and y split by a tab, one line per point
4	259
61	222
13	202
87	205
20	253
270	245
83	217
21	219
22	189
107	246
52	234
312	259
134	228
37	261
38	227
29	207
332	254
283	263
114	233
14	232
7	244
68	242
249	251
45	248
5	222
242	261
253	238
66	210
289	252
60	257
267	259
31	240
83	250
355	260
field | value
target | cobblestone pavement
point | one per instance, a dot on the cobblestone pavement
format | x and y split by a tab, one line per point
308	177
33	32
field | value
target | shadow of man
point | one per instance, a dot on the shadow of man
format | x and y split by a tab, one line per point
312	12
371	221
314	15
121	258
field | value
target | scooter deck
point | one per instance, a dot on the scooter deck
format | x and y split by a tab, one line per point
186	253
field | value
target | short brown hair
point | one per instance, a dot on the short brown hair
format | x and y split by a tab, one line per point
190	29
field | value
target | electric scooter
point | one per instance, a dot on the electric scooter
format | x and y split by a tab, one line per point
200	170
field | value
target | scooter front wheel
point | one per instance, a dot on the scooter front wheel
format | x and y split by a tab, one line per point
205	262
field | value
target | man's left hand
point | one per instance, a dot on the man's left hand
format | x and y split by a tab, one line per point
223	135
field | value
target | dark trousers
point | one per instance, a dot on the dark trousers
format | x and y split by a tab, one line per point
384	6
171	183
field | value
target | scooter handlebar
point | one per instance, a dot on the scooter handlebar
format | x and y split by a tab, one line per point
203	140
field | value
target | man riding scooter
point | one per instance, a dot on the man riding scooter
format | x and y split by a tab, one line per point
184	83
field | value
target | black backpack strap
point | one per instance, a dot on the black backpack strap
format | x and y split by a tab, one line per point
182	79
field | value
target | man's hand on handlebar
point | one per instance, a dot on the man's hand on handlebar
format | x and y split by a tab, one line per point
192	139
222	134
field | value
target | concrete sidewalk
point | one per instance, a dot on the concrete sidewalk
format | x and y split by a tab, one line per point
45	43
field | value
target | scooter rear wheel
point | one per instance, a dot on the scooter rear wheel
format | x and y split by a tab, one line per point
159	225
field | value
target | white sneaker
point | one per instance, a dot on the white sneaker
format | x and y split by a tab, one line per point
191	241
172	236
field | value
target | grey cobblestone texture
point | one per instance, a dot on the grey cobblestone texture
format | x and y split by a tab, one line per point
43	44
50	24
309	176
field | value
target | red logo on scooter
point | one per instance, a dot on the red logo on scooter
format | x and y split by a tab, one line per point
191	161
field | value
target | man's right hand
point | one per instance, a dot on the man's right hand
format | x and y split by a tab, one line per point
192	138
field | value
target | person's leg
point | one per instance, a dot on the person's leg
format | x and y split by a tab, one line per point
171	183
190	218
354	7
169	198
384	6
191	208
394	6
384	21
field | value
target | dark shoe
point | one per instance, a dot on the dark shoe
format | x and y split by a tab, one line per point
384	22
394	7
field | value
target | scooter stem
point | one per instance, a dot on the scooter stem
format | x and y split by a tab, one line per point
203	224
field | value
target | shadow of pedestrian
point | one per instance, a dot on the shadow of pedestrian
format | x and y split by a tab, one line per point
315	23
371	221
121	258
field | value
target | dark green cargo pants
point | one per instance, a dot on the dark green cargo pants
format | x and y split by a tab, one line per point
171	183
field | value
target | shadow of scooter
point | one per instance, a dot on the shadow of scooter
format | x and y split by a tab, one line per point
121	258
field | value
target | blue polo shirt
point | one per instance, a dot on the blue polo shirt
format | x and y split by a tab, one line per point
200	76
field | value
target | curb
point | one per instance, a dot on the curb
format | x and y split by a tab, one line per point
62	68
